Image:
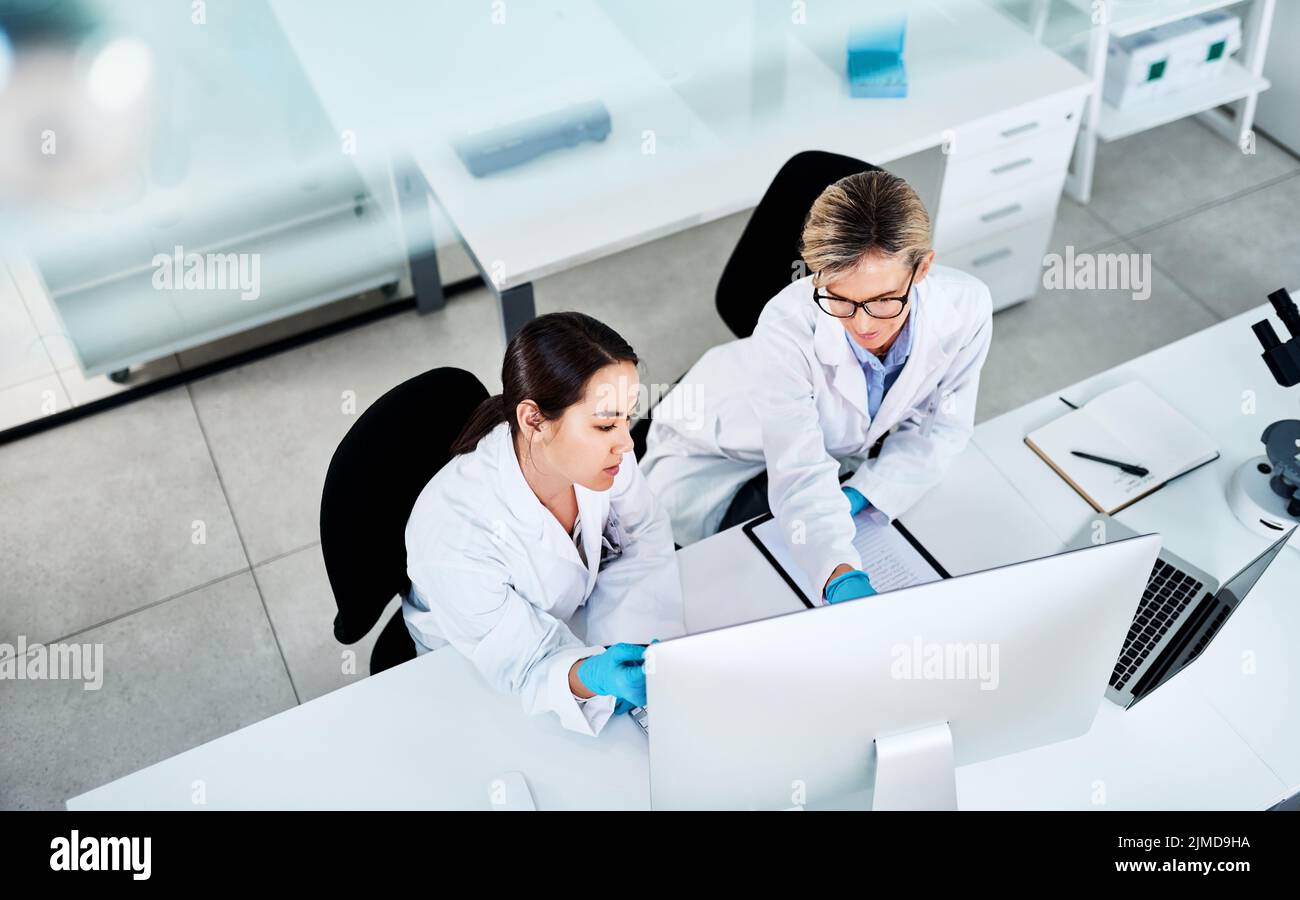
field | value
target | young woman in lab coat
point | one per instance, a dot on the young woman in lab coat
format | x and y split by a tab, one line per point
539	542
876	341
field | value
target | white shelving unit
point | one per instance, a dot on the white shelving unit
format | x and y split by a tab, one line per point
1276	116
1235	84
1081	31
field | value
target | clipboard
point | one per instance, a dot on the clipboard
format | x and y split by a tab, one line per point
749	527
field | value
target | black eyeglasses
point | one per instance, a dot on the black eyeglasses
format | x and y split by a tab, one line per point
882	308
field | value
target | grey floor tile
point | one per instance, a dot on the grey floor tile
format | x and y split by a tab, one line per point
1061	336
302	608
176	675
1233	255
100	518
1078	227
659	297
273	424
32	400
1169	171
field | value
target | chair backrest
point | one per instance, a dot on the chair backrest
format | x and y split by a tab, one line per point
762	263
378	470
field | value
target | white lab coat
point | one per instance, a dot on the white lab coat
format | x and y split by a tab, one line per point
793	399
494	574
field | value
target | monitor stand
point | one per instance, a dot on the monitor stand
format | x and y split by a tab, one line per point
915	770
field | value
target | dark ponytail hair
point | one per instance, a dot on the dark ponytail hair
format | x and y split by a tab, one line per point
549	361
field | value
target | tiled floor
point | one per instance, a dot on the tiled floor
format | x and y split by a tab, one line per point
180	532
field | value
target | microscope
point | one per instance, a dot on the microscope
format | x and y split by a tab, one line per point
1265	491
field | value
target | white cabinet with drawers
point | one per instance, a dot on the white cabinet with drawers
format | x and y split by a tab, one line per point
1001	188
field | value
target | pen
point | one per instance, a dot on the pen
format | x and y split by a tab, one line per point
1127	467
1067	403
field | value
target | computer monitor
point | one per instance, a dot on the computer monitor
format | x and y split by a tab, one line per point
884	696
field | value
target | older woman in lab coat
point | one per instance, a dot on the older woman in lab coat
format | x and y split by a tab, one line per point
539	542
876	341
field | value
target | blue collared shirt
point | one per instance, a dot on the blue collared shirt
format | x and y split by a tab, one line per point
881	374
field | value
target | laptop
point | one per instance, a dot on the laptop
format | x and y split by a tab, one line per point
1181	610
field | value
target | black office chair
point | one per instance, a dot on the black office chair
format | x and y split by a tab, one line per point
377	472
762	263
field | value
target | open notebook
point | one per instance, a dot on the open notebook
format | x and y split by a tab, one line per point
1131	424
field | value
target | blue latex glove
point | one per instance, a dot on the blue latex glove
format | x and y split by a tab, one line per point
617	672
621	707
857	502
849	586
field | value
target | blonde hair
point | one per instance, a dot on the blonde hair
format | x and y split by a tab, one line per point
869	212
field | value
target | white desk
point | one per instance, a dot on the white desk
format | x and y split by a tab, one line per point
1204	376
430	734
707	101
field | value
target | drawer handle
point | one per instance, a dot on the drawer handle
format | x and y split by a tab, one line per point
1001	213
1019	129
1007	167
991	257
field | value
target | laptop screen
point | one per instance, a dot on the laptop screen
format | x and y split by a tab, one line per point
1239	585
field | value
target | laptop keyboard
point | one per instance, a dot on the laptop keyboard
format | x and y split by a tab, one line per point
1167	594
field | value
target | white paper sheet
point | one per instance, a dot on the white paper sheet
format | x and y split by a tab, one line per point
888	558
